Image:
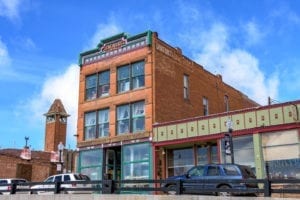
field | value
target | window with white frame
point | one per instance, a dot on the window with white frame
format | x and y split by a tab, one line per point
131	118
97	85
205	106
103	123
185	86
131	76
90	125
96	124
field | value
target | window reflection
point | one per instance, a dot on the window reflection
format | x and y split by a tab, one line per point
131	76
179	161
90	163
136	161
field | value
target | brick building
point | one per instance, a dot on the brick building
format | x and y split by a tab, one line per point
38	165
127	84
267	138
37	168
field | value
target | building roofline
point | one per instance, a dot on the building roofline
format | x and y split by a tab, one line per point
226	113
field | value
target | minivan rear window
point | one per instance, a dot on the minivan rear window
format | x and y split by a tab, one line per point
247	172
231	170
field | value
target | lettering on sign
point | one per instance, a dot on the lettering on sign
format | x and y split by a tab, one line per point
167	51
113	45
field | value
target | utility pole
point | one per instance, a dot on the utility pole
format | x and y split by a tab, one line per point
228	142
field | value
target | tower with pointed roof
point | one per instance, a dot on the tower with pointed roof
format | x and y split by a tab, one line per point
56	126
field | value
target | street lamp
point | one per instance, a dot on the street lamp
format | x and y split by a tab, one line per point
60	148
228	141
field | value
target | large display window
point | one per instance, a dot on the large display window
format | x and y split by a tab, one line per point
179	161
136	161
90	163
281	154
243	149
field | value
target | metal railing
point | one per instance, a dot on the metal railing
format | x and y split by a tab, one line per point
265	187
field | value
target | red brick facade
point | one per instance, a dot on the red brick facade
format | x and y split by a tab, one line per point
36	169
164	69
169	68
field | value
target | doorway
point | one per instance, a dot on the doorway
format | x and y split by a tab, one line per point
112	163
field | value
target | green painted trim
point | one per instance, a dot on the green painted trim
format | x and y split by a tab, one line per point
84	54
148	34
258	156
112	38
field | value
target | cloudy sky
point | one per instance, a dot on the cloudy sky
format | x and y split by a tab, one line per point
255	45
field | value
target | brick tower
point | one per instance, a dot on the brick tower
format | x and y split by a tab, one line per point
56	126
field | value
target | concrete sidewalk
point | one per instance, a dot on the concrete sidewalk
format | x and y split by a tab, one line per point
128	197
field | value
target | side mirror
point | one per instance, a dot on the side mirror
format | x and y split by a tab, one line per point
187	175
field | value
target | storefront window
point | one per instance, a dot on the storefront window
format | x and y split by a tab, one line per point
90	163
243	151
202	155
207	154
283	169
136	161
281	153
179	161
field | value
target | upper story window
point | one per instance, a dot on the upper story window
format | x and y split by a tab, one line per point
97	85
185	86
131	118
96	124
226	102
131	76
205	106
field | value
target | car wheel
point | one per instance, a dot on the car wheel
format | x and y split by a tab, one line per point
224	193
171	189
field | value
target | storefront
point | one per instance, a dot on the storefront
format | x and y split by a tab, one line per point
130	161
177	159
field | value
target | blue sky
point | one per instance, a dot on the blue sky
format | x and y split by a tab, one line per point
255	45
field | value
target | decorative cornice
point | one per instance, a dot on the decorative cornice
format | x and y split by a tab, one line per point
115	45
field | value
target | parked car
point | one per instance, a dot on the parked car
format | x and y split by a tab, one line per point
5	185
66	183
200	175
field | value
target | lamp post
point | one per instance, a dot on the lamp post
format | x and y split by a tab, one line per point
60	148
228	141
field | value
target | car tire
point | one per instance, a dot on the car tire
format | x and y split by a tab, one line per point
224	193
171	189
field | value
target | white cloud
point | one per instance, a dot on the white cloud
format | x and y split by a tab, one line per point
253	33
10	8
238	67
4	57
103	31
62	86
